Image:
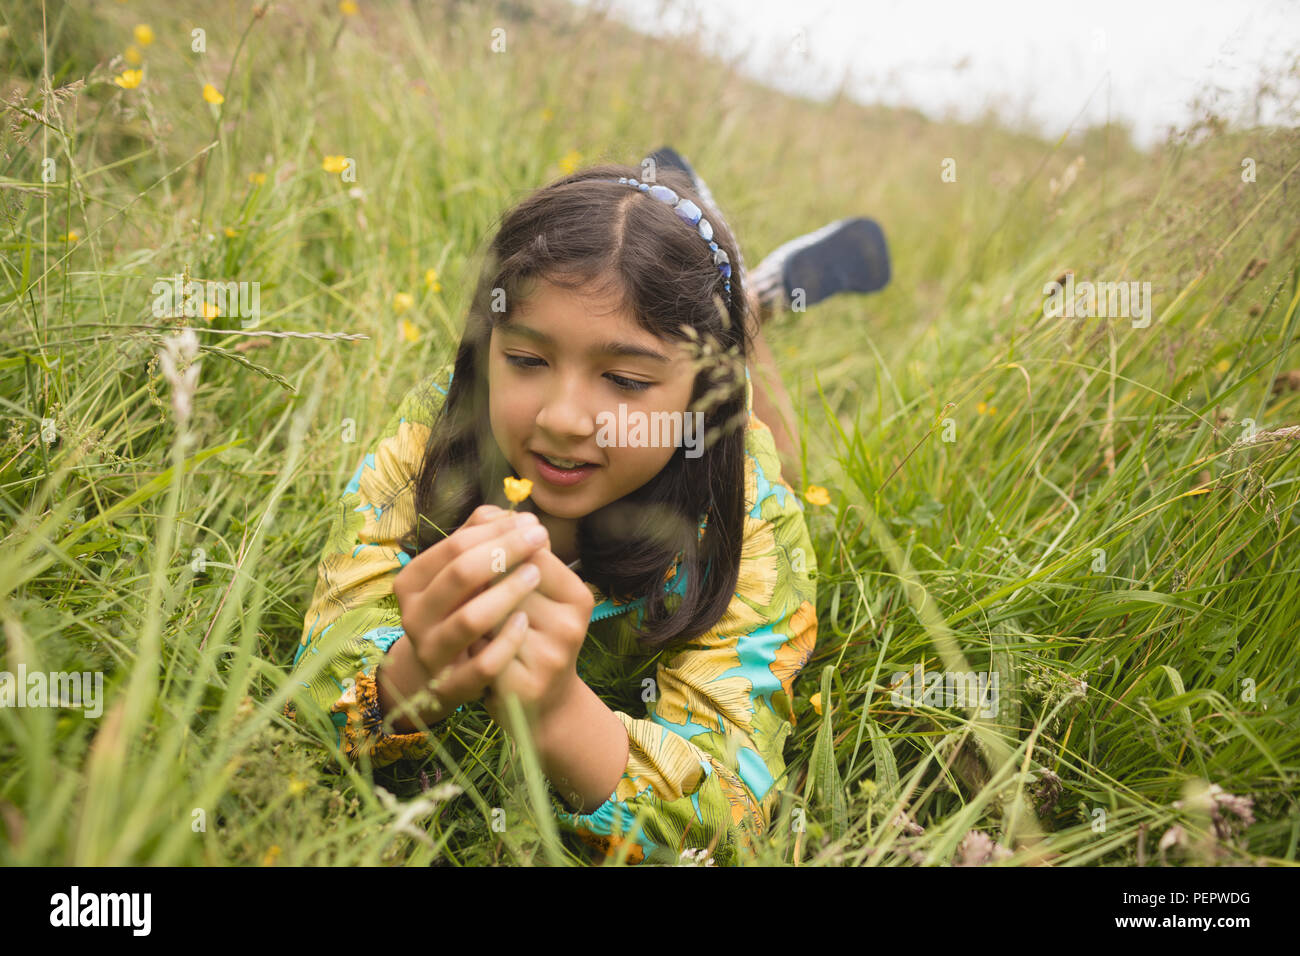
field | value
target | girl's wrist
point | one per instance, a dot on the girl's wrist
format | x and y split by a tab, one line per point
400	676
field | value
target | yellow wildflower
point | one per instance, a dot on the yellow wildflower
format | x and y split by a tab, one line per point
70	236
296	786
409	331
132	56
257	179
981	408
817	495
231	233
1222	366
569	161
431	280
517	489
143	35
348	8
212	94
334	164
816	701
210	311
402	302
271	855
129	79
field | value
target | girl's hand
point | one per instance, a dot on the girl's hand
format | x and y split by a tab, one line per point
452	595
543	671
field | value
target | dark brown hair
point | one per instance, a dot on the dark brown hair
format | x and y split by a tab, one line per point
606	238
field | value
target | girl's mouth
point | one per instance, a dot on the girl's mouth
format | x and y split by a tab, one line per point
556	475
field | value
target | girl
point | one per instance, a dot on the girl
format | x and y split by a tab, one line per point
673	579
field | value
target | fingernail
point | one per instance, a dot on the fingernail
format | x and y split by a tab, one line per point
530	574
519	621
524	519
535	535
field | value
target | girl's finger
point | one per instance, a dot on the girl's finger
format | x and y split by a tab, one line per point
501	649
479	615
473	574
559	582
422	568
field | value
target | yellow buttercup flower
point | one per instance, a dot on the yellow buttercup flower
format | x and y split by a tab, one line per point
271	855
402	302
212	94
257	179
132	56
210	311
143	34
230	233
816	701
569	161
817	495
517	489
129	79
409	331
1222	366
348	8
70	236
431	280
334	164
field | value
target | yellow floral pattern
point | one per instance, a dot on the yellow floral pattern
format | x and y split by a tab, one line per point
705	763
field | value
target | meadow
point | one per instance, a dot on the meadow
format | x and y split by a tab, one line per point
1100	511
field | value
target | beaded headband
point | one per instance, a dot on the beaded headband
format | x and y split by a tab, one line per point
691	214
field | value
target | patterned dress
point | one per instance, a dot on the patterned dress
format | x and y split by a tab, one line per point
705	762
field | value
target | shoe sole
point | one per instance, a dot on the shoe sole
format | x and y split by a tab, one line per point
849	255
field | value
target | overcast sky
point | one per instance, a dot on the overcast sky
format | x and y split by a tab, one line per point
1049	63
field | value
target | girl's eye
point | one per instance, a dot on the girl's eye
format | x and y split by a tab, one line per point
532	361
628	384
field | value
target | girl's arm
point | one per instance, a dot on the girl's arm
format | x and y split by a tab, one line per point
706	764
353	619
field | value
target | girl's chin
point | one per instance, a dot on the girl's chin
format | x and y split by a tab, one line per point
561	506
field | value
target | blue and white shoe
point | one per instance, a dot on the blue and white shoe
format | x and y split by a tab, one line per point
848	255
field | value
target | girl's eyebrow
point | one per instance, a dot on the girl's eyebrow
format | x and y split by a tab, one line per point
604	348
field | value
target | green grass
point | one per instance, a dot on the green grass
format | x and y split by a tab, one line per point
1093	530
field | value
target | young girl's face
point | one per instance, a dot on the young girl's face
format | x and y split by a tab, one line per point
561	361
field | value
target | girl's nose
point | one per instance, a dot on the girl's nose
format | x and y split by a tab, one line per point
565	412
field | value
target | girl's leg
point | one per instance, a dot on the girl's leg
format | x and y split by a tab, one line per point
772	402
